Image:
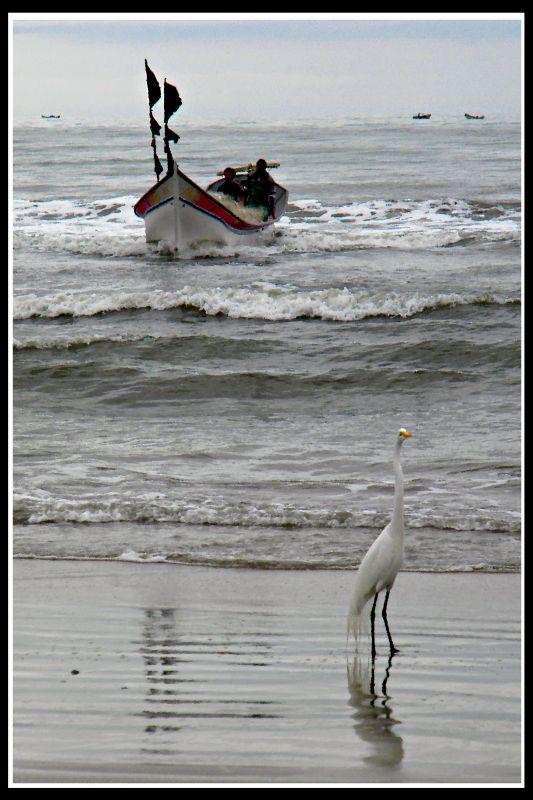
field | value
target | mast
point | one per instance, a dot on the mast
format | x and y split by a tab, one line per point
176	192
154	93
172	103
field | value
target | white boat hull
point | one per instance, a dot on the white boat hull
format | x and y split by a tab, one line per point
199	217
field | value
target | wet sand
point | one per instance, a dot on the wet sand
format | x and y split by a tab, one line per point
155	673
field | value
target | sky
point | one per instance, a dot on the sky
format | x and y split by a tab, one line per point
266	67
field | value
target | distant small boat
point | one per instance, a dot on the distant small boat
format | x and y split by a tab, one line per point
50	116
422	116
474	116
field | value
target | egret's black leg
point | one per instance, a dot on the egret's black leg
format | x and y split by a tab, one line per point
384	615
372	618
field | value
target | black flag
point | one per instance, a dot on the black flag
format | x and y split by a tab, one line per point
172	100
155	127
171	135
154	90
170	158
157	164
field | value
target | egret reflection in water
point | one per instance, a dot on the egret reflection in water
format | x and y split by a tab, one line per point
373	717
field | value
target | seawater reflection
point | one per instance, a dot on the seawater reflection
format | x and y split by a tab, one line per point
374	721
193	679
160	652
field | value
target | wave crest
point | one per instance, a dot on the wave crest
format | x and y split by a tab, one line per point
44	509
258	301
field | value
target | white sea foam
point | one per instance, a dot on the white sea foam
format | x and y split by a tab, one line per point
45	508
132	555
256	301
108	227
400	224
104	227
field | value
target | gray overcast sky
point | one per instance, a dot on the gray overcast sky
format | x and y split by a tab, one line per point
266	69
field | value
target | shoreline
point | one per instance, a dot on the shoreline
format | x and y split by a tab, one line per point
140	673
263	566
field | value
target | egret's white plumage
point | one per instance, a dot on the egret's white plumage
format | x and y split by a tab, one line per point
383	560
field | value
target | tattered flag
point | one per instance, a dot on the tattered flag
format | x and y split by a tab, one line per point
155	127
170	157
172	100
170	162
157	164
158	167
154	90
171	135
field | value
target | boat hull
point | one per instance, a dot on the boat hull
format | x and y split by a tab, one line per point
199	217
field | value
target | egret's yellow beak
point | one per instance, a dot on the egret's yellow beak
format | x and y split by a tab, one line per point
406	434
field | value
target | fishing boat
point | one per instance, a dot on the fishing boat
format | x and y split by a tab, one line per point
422	116
179	212
474	116
50	116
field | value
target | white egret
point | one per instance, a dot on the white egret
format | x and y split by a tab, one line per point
383	560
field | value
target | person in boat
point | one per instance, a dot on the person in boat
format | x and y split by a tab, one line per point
261	188
231	186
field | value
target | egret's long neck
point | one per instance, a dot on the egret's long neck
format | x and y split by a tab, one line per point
397	513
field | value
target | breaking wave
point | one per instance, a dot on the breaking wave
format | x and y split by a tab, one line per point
258	301
44	508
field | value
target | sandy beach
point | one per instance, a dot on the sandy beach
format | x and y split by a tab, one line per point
157	673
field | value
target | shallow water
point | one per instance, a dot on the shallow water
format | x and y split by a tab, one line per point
159	673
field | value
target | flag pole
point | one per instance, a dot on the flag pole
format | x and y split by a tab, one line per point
154	94
172	101
176	189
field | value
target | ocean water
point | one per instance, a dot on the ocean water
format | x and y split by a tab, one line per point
238	407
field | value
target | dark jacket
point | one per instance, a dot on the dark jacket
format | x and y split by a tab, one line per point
231	188
260	188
